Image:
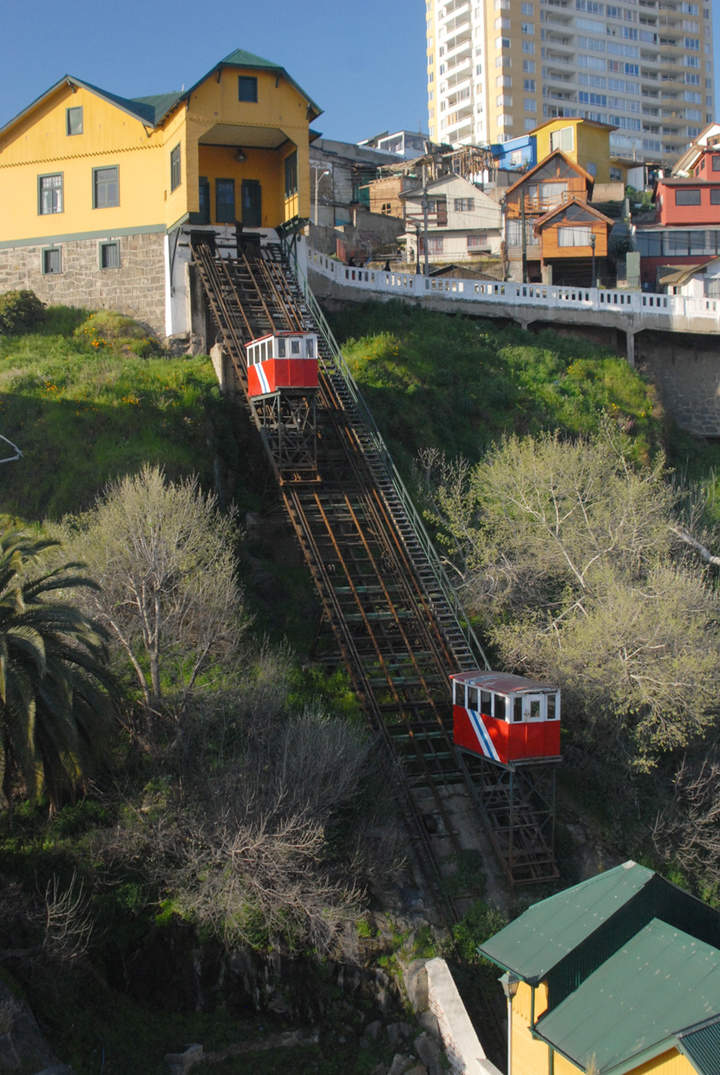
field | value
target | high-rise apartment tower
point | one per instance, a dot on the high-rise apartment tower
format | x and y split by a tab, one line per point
498	68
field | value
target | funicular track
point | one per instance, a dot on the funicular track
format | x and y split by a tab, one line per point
383	592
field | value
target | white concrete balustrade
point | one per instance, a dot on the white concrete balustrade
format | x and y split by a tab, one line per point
680	313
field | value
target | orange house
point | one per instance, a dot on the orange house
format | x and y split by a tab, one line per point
573	243
555	181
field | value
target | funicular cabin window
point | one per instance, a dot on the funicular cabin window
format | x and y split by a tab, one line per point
281	348
309	348
500	707
294	347
551	706
535	708
472	702
459	692
517	709
486	703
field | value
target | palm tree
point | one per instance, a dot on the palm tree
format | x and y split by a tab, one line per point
56	690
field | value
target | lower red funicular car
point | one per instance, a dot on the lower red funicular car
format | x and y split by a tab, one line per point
282	360
507	719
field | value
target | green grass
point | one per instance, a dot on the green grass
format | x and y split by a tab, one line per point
83	415
459	384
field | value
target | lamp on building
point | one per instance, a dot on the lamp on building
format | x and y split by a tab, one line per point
510	984
319	173
592	248
240	154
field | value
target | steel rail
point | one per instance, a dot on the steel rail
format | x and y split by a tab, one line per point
380	582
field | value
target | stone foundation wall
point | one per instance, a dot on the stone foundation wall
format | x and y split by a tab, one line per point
136	288
686	373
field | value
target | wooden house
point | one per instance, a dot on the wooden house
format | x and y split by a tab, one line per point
573	243
555	181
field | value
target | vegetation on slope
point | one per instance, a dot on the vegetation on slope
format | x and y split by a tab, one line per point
458	385
219	818
540	464
84	407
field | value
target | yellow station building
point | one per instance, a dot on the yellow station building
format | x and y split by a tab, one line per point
619	975
101	191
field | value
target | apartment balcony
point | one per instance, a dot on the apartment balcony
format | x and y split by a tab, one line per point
559	19
561	78
555	57
564	42
463	64
458	42
460	80
453	8
457	24
563	96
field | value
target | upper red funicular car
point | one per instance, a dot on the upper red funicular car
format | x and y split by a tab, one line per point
282	360
507	719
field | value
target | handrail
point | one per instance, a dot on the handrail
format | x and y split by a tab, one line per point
393	474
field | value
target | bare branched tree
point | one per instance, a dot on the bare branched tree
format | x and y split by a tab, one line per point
687	830
162	554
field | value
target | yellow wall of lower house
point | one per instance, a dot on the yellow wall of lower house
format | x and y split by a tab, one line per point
40	145
591	146
594	151
265	166
530	1056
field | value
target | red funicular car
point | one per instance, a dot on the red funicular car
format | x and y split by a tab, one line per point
282	360
505	718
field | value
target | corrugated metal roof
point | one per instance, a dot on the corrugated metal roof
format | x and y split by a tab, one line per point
505	682
702	1047
159	103
550	930
659	982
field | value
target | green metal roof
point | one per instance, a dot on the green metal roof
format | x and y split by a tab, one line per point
157	105
702	1047
550	930
639	1000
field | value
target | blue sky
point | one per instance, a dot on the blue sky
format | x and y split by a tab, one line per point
363	63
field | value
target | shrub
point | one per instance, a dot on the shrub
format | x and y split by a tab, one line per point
107	328
20	311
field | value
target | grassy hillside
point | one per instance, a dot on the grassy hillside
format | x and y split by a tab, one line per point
84	407
459	384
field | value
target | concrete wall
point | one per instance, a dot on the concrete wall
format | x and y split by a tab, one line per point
136	288
431	988
686	372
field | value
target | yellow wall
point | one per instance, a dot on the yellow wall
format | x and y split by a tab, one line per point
591	146
219	162
533	1057
39	145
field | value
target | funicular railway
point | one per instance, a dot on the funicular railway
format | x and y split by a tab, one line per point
396	620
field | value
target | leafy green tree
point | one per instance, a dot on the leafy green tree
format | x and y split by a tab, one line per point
576	561
56	692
